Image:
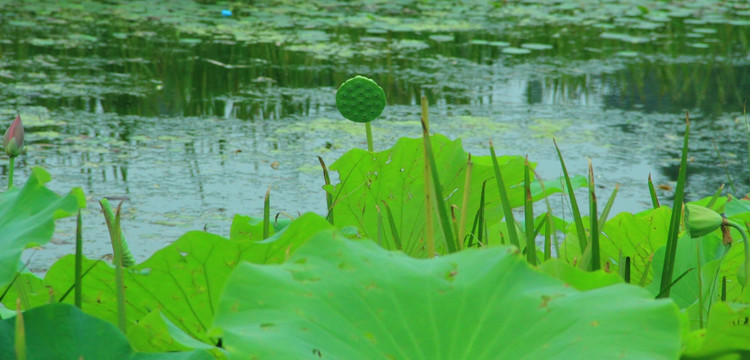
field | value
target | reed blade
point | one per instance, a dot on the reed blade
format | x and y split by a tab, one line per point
529	216
79	262
267	214
431	168
547	238
715	197
674	224
580	230
507	210
608	207
652	191
724	166
392	223
119	274
594	241
465	204
329	196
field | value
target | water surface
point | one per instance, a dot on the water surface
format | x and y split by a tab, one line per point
191	116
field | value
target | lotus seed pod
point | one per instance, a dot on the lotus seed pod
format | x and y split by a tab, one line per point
360	99
701	220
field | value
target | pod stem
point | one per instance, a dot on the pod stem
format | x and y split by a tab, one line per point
368	129
745	244
11	165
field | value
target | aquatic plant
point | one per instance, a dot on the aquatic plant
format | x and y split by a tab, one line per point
13	145
360	99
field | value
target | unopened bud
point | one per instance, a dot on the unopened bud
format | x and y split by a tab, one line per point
13	139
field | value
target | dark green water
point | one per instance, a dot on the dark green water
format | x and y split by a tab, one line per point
191	116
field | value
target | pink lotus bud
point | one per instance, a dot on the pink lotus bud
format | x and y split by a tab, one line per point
13	139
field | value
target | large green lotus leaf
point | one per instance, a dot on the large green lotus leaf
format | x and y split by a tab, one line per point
62	332
395	176
342	299
27	217
183	281
726	336
635	235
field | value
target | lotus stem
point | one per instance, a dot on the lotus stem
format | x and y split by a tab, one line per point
79	261
11	165
746	245
20	341
368	129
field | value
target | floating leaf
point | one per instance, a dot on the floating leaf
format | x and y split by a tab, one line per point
535	46
515	51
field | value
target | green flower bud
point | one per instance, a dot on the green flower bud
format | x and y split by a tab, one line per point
13	139
360	99
701	220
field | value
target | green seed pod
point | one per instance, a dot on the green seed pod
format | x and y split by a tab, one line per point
360	99
701	220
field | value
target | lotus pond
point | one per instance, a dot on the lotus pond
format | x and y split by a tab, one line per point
178	119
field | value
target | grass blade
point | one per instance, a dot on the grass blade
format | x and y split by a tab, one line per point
79	261
329	196
507	210
72	287
674	224
392	223
652	191
580	230
431	166
430	231
13	281
119	276
665	293
477	230
547	237
550	232
724	166
115	234
529	216
607	207
465	204
595	256
716	197
267	214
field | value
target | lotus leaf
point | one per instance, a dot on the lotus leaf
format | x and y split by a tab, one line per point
27	218
61	331
342	299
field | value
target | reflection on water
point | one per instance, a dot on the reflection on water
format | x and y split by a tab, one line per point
193	129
